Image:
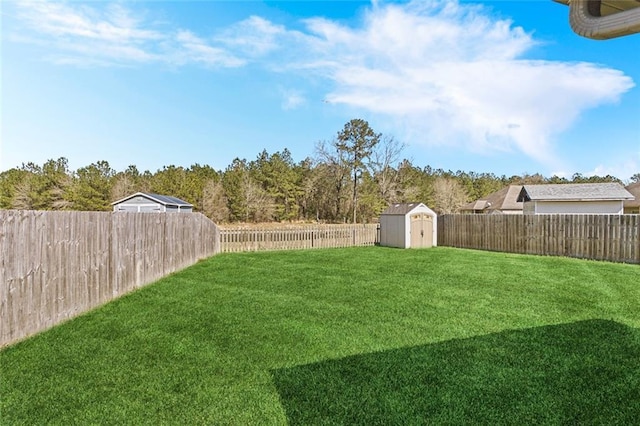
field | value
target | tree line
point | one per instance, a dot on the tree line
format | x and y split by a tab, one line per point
351	178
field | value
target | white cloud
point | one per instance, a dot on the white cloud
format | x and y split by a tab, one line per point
114	23
87	34
292	99
195	49
443	72
254	37
622	166
82	35
623	169
449	73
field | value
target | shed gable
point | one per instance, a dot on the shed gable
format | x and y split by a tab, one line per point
141	201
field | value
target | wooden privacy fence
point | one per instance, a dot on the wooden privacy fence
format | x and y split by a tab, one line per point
234	239
614	238
56	265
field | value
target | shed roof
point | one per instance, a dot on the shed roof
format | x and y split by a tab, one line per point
574	192
401	208
165	200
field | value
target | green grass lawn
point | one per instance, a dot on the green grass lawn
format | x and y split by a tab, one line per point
345	336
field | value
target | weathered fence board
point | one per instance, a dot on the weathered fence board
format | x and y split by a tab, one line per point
56	265
236	239
614	238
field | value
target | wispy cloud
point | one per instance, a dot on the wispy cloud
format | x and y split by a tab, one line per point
114	23
623	169
196	49
443	72
111	34
253	37
449	73
83	35
292	99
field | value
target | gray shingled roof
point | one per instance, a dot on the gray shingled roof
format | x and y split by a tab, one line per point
574	192
634	189
510	200
400	208
504	199
165	200
168	200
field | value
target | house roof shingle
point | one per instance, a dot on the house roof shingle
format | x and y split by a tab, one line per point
574	192
504	199
165	200
634	189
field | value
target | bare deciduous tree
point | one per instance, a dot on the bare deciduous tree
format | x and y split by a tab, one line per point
385	155
449	195
332	177
215	202
259	206
23	197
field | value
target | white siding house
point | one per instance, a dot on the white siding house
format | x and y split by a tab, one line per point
574	198
142	202
408	225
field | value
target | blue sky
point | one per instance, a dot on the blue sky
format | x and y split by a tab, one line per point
497	86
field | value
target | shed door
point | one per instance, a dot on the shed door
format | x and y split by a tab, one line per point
421	230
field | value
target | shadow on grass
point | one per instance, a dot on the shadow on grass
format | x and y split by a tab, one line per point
586	372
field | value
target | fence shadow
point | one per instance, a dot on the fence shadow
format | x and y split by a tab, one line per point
586	372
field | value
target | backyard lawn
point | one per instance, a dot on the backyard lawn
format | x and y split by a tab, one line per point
345	336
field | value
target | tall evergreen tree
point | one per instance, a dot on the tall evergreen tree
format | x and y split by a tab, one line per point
279	178
357	141
91	187
56	181
9	182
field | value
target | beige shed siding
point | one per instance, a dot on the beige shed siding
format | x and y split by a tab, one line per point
392	231
578	207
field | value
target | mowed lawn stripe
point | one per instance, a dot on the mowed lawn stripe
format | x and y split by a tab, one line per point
204	345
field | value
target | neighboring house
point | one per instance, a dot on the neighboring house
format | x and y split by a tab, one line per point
503	201
574	198
143	202
633	206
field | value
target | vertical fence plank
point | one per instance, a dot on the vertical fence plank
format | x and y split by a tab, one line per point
288	237
56	265
604	237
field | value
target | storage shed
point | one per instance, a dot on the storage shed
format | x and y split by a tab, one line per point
408	225
143	202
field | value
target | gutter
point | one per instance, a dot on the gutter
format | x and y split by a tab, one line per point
585	20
